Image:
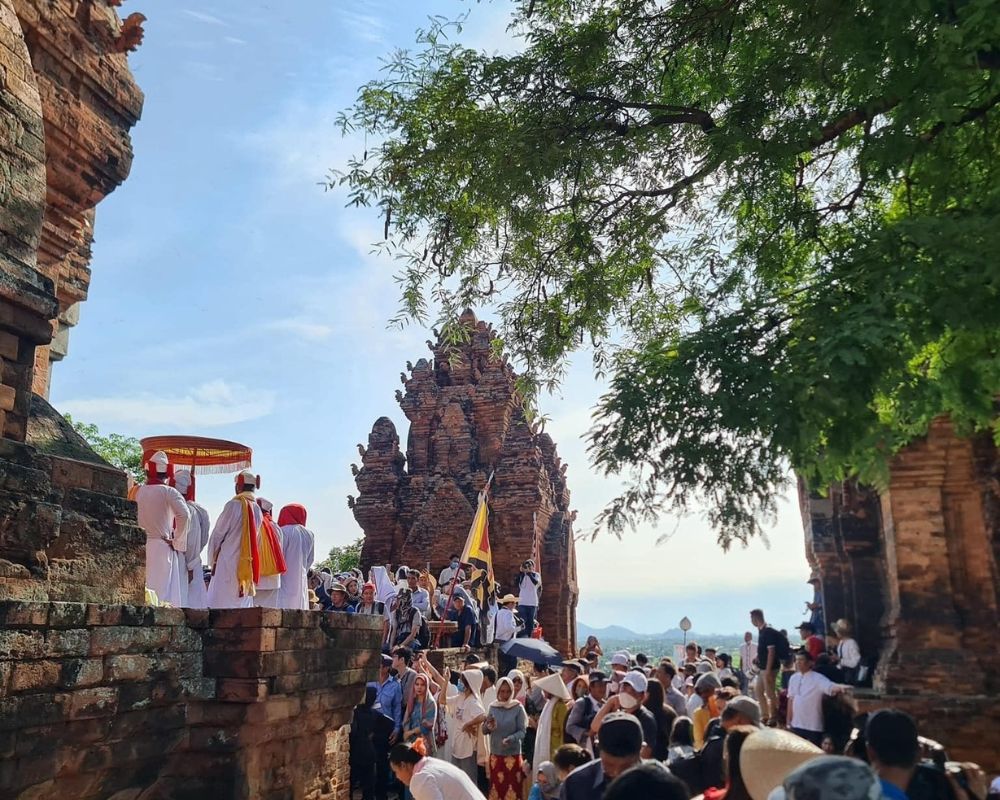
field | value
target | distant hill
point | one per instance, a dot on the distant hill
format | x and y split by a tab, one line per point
618	633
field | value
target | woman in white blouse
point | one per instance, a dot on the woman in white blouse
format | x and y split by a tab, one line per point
848	656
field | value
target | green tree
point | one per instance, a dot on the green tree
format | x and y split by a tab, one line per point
123	452
775	225
343	558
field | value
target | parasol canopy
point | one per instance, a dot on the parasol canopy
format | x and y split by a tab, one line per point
207	456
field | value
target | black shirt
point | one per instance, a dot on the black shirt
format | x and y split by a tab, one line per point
768	637
650	729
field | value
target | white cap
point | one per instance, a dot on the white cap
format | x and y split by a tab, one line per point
636	680
264	503
620	660
246	476
182	480
159	458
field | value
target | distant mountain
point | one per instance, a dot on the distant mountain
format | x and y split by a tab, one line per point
619	632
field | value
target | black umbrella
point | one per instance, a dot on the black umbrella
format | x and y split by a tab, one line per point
537	651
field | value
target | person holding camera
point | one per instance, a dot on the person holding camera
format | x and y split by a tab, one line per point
529	585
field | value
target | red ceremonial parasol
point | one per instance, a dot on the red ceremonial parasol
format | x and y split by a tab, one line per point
208	456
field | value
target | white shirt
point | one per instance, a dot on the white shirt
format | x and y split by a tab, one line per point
748	655
848	652
506	625
528	594
447	574
299	546
806	691
466	708
694	702
434	779
160	507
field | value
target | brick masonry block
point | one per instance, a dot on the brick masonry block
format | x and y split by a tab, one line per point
100	701
129	667
243	690
260	640
17	644
121	639
80	673
62	643
67	615
245	618
35	676
169	616
23	614
103	615
197	617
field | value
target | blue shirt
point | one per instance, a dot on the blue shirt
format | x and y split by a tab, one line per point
891	791
389	701
467	619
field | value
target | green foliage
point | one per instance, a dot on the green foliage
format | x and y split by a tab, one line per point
123	452
343	558
775	224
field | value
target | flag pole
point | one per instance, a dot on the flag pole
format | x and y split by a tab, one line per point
454	578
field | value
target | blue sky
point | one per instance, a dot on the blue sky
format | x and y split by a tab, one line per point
232	296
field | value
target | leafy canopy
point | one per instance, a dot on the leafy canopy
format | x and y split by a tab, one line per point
123	452
343	557
775	224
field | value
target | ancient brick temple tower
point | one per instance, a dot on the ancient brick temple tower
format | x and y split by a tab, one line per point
100	696
915	569
466	421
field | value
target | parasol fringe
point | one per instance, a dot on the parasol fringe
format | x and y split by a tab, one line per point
216	469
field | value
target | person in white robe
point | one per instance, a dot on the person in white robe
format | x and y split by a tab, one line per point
224	547
269	585
197	538
299	546
164	516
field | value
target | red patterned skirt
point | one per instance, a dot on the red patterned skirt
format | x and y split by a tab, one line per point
506	778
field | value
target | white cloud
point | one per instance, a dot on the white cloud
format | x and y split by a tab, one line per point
312	331
211	404
234	40
363	27
203	17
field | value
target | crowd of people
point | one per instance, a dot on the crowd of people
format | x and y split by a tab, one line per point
763	722
771	720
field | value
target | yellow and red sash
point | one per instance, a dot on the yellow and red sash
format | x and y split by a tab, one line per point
248	568
272	560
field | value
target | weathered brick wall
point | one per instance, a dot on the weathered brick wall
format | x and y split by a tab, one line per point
968	727
101	701
89	102
466	422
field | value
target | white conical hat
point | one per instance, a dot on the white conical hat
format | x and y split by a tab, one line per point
769	755
553	684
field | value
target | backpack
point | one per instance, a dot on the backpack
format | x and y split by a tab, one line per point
703	769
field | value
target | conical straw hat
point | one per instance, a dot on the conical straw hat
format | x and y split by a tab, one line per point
769	755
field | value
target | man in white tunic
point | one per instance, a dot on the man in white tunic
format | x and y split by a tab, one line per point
268	585
227	546
197	538
164	516
300	549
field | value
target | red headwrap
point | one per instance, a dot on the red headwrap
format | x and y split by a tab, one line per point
293	514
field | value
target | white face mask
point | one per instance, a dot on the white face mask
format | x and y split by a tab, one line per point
627	701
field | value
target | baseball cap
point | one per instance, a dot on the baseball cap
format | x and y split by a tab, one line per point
386	660
573	665
620	734
746	706
598	677
708	680
636	680
620	660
